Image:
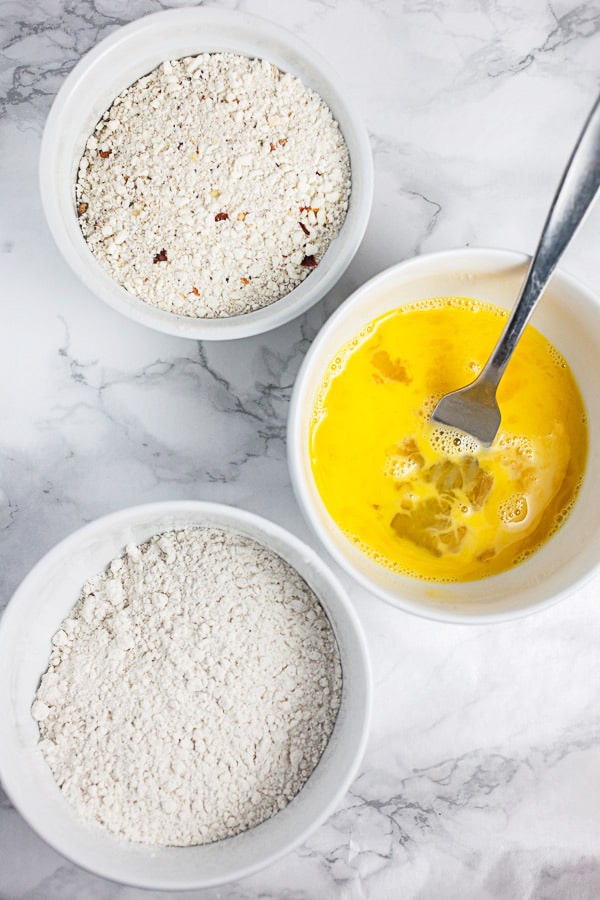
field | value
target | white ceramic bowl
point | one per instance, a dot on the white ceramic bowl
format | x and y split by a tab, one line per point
569	316
122	58
36	611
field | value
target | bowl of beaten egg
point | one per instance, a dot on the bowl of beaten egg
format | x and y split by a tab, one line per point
424	518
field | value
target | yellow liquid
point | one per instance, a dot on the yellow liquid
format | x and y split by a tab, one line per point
423	500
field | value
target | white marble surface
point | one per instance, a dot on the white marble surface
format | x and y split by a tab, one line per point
482	774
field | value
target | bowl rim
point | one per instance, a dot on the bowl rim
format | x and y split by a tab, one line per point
12	617
82	261
464	255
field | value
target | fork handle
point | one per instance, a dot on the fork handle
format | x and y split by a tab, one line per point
572	200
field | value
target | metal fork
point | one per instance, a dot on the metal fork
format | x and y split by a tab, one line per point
474	408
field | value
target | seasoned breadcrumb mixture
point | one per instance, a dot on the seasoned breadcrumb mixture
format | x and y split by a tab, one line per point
192	690
213	185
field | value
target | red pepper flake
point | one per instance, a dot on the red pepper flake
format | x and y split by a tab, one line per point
220	217
272	147
125	178
161	256
105	153
309	262
283	141
304	228
195	291
81	208
245	280
314	209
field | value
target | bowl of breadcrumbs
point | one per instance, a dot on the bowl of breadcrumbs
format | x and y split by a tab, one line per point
185	692
202	172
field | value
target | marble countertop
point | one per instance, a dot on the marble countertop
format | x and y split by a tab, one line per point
482	773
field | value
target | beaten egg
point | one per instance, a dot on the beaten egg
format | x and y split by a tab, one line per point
419	498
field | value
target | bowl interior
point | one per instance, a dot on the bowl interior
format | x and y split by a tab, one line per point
36	611
569	316
133	51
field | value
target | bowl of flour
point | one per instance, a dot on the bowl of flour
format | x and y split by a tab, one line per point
185	690
203	173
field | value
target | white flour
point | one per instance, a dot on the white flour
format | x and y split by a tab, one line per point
213	185
192	690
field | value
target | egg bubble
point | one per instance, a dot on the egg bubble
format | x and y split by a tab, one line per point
452	442
524	556
519	444
557	357
396	567
560	517
467	303
429	404
399	467
514	509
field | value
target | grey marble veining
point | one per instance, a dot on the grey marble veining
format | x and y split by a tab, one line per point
482	774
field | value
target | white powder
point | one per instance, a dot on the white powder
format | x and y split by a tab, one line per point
213	185
192	690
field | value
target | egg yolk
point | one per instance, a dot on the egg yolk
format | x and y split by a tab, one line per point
419	498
